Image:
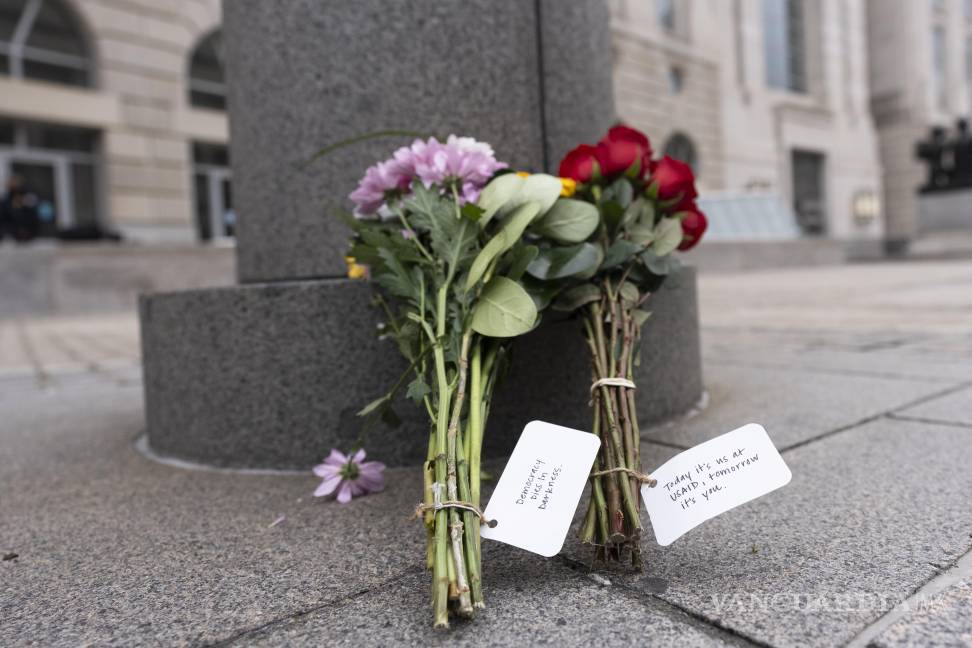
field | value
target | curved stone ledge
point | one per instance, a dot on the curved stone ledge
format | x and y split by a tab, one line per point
271	375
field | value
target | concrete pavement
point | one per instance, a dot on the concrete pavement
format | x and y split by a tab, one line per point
861	374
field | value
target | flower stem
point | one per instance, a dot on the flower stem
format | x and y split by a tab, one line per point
455	525
441	568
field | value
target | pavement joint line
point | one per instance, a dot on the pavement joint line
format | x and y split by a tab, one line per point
40	375
714	629
882	415
72	353
951	576
827	371
929	421
333	604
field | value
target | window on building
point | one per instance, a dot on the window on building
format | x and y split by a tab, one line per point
207	85
784	39
42	40
666	14
215	217
676	79
681	147
809	195
939	82
58	165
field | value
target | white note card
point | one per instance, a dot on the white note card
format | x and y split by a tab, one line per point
711	478
537	494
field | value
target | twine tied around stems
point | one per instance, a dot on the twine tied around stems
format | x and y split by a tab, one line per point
613	382
609	382
438	504
641	477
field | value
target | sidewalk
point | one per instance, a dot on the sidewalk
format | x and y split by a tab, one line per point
862	375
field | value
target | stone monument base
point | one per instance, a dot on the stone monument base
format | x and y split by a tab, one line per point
270	375
945	211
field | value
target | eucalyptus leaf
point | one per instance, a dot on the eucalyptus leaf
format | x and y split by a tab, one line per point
559	262
668	236
619	252
574	298
521	256
629	292
642	233
633	212
540	188
494	196
504	309
613	214
568	221
658	265
621	192
640	316
508	235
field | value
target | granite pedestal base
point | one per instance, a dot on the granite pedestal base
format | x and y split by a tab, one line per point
271	375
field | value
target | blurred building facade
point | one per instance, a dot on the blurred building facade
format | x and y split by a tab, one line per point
113	111
767	98
921	78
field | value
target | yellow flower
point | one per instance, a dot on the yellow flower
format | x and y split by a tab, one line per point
567	187
355	269
523	174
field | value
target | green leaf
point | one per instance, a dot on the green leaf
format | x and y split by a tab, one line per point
574	298
629	292
640	316
504	309
542	292
668	236
559	262
394	277
634	212
642	233
472	212
511	232
619	252
500	191
659	265
520	258
620	192
374	405
540	188
613	214
568	221
417	389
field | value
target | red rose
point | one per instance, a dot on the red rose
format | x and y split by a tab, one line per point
622	147
694	225
579	163
675	181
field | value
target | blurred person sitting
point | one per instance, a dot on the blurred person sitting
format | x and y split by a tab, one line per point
18	212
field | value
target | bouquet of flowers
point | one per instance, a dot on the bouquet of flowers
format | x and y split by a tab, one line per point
446	246
643	211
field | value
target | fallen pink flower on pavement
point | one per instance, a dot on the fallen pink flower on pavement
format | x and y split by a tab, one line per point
349	477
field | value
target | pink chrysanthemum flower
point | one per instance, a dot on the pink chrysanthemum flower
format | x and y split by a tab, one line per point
350	477
387	177
462	161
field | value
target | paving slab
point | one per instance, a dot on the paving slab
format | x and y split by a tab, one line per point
871	514
531	601
944	620
882	354
954	408
792	405
115	549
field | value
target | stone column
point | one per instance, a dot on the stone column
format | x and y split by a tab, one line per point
270	373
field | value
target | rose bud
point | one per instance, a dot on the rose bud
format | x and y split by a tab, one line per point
674	181
694	224
578	164
620	148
